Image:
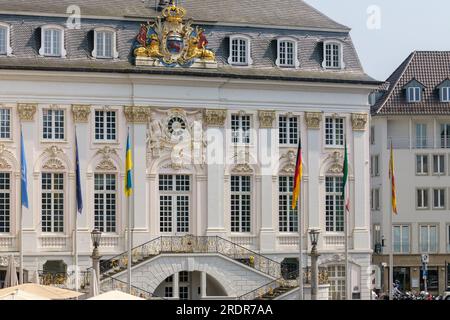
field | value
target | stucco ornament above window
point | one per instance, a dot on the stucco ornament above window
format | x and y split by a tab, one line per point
170	42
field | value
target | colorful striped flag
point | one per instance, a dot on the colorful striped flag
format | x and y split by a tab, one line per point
392	178
78	178
128	169
23	173
298	175
345	191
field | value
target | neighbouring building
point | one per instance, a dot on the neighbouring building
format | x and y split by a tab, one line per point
412	110
214	107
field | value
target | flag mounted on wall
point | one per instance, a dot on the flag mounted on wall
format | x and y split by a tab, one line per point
78	178
23	173
298	175
392	178
128	168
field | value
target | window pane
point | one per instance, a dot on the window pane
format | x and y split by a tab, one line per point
3	44
5	123
105	203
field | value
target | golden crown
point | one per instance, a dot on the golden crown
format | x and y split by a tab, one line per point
173	13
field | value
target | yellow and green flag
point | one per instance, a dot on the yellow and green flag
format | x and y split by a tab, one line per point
128	169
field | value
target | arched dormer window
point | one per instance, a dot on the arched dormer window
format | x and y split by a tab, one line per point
240	51
105	44
5	42
52	41
287	54
333	55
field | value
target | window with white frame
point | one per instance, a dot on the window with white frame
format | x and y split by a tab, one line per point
334	132
5	123
52	41
288	130
5	47
448	238
174	199
428	238
5	202
105	125
445	94
105	44
439	164
53	124
421	135
240	51
336	280
287	217
334	205
401	239
445	135
52	198
375	166
422	198
241	203
421	164
375	199
287	53
333	55
439	198
414	94
240	129
105	202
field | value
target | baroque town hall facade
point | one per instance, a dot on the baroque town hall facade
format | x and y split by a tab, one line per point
214	113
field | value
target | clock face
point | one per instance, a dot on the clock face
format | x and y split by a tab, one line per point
176	126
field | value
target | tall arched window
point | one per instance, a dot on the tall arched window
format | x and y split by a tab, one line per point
52	202
287	217
105	201
334	204
5	202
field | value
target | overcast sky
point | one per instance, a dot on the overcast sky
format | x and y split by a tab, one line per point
403	26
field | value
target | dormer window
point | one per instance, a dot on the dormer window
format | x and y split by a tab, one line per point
333	55
444	91
413	90
105	44
414	94
52	41
5	47
287	53
240	51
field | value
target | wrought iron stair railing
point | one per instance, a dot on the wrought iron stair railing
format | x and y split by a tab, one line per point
282	285
191	244
110	283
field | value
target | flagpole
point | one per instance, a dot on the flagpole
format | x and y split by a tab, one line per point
130	241
391	242
347	276
300	258
346	197
75	232
21	212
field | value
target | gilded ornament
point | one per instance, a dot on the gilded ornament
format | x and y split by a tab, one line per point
80	112
214	117
136	114
26	111
313	120
266	118
359	121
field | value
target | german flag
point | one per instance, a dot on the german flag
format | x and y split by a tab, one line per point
298	175
392	178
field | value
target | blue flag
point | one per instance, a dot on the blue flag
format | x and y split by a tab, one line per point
78	179
23	176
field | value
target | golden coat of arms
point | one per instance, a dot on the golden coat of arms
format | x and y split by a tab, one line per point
170	42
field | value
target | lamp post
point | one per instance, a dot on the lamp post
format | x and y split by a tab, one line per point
314	237
96	236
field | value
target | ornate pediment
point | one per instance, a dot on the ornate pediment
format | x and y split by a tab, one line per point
54	164
53	151
289	167
106	152
106	165
335	168
242	168
4	164
171	42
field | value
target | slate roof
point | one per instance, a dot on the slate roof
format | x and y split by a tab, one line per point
430	68
291	13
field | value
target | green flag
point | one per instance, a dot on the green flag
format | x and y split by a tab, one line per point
345	177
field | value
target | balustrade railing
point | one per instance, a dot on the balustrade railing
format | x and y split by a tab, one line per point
64	280
287	282
192	244
110	283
